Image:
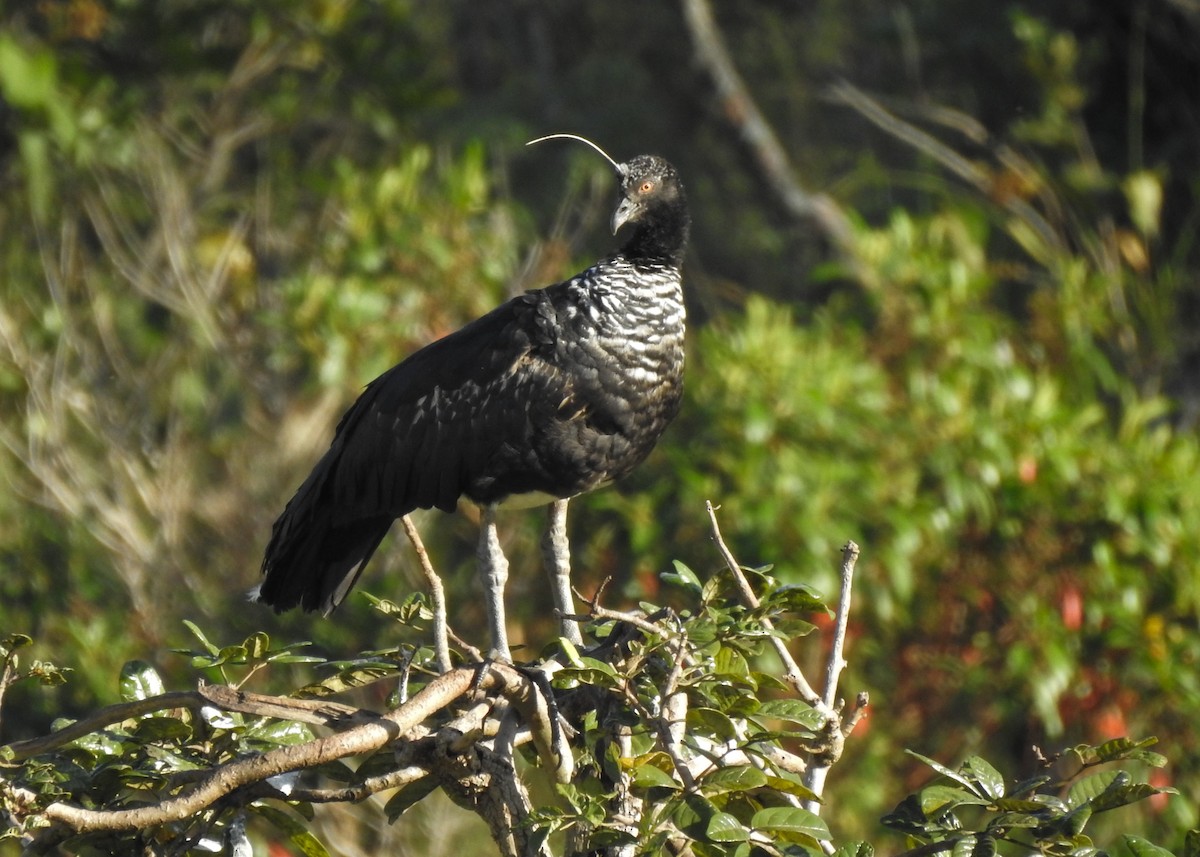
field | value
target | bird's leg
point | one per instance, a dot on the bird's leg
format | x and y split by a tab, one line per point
493	572
556	554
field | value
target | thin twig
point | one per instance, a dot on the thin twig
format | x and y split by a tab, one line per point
837	663
107	716
969	171
437	595
315	711
861	702
794	674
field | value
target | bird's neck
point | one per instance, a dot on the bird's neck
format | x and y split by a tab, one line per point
661	239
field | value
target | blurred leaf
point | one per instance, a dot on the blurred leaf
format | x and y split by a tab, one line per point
139	680
683	576
1139	847
296	833
408	796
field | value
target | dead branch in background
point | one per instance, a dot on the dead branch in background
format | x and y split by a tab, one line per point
742	112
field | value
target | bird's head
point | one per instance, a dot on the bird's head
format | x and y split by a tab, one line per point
652	201
649	185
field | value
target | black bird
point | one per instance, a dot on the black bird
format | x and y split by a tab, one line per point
556	392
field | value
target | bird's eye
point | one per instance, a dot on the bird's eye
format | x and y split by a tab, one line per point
646	187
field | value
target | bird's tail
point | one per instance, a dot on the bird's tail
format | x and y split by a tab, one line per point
313	558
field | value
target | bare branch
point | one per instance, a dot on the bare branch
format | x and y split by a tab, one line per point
795	675
437	594
837	662
968	171
315	711
743	114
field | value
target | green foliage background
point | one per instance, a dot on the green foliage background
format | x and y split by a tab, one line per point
219	219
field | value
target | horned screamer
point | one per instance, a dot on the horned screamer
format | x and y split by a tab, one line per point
556	392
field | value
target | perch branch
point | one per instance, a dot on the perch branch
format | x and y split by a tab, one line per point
363	738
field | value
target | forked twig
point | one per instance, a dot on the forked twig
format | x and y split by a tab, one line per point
795	675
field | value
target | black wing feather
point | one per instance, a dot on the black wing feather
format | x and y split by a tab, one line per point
421	435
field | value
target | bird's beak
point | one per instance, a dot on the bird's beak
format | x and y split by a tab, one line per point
625	211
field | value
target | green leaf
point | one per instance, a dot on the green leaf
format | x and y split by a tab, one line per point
279	732
13	642
1012	804
649	777
199	635
407	797
739	779
1120	749
793	598
723	827
571	653
793	711
139	680
257	645
295	831
683	576
353	676
1030	785
937	799
161	729
974	846
855	849
1091	787
791	787
711	722
1125	795
692	815
1139	847
729	662
790	820
987	778
941	769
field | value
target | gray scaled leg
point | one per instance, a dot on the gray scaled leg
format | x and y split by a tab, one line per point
556	555
493	574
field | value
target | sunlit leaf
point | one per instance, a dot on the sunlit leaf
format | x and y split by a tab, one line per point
723	827
782	820
649	776
139	680
989	781
199	635
683	576
738	779
937	799
792	711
